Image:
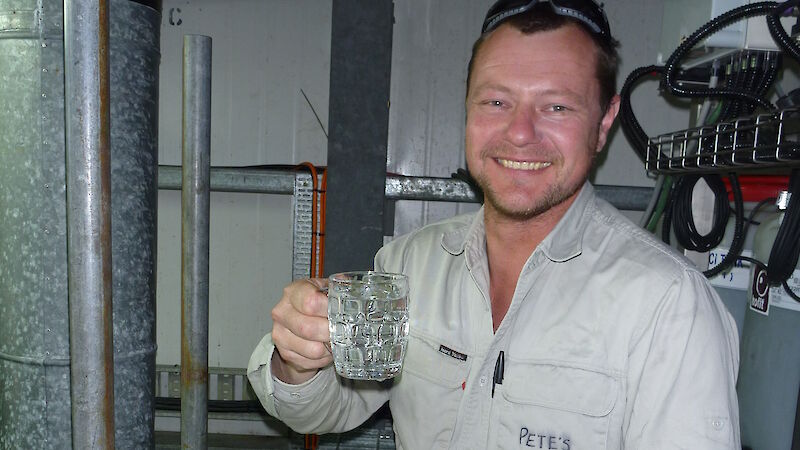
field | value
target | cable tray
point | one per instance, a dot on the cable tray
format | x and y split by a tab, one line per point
760	141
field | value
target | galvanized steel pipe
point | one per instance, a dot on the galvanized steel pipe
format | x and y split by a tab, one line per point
398	187
87	112
195	200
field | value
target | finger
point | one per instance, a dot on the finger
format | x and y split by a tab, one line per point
300	363
285	339
310	328
307	297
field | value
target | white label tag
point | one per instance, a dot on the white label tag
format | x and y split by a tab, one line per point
736	277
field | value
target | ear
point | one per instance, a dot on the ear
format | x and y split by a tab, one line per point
606	122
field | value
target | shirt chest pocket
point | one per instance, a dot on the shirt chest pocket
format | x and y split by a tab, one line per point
428	391
555	407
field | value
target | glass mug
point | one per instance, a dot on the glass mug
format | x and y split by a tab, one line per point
368	322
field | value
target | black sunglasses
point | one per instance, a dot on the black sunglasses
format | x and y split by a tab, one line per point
587	12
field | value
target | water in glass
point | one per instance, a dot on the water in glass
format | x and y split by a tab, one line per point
368	321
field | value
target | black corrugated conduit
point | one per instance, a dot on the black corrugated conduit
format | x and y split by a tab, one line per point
776	29
673	63
745	89
786	249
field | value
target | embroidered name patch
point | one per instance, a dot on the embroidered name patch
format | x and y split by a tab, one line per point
452	353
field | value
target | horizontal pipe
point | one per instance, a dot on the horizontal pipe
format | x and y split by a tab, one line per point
224	179
398	187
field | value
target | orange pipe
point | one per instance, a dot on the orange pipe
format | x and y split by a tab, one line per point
323	212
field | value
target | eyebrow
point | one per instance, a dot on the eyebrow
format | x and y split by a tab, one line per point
564	93
492	87
567	93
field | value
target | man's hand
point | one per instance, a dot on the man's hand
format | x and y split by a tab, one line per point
300	331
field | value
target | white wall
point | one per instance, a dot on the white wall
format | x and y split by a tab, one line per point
264	53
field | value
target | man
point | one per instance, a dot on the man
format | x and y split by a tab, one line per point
546	320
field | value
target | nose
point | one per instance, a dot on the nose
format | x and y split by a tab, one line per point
522	127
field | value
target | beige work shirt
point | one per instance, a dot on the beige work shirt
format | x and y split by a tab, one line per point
612	341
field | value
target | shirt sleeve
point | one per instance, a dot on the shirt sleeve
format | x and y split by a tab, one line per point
326	403
682	372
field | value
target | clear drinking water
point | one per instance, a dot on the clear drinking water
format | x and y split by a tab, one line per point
368	321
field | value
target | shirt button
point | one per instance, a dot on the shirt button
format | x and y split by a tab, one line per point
483	380
717	424
295	394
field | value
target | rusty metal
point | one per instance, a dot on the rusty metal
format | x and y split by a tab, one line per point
35	410
88	160
195	200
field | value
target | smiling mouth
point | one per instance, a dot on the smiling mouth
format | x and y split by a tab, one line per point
523	165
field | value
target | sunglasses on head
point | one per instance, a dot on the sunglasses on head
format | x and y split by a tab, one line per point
587	12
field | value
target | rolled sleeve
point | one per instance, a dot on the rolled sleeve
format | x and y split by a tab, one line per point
259	375
324	404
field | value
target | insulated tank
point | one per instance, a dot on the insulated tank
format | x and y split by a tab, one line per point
732	284
769	373
34	327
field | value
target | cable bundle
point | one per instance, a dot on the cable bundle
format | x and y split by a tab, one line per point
678	215
786	249
748	79
683	220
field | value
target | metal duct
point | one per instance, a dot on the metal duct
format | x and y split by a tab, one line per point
34	336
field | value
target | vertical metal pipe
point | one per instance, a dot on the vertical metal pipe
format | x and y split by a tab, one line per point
87	115
194	231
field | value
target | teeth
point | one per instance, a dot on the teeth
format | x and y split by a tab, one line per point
524	165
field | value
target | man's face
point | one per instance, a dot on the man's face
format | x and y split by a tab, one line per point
534	121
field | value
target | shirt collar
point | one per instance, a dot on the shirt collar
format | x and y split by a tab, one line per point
456	240
562	244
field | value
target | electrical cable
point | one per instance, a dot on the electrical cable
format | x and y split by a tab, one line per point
774	65
667	222
747	85
673	63
761	264
739	229
714	116
683	219
739	83
661	206
678	214
752	215
789	290
651	204
777	32
630	124
221	406
748	79
786	248
750	220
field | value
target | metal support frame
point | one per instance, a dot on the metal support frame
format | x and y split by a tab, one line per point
398	187
88	161
195	201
